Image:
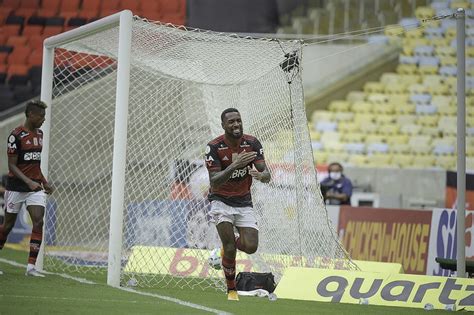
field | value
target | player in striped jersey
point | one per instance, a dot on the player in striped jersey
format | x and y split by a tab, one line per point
26	185
233	160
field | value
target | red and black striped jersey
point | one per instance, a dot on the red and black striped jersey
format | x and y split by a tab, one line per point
219	154
27	146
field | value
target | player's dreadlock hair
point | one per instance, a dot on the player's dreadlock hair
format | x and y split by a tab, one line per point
34	106
228	110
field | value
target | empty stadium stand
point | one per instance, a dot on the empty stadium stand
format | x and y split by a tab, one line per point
24	24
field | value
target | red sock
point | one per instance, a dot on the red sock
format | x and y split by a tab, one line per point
238	244
228	265
3	237
35	244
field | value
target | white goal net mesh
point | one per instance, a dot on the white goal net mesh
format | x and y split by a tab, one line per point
180	81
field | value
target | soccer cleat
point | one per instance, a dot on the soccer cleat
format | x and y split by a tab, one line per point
1	272
232	295
33	273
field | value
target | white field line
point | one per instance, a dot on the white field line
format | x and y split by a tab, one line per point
85	281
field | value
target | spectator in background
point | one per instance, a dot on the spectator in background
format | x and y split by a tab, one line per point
336	189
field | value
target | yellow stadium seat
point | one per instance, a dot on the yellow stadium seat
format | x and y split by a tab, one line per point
339	106
374	87
433	79
442	100
408	50
314	135
363	118
383	109
418	88
321	115
470	163
407	69
430	131
389	129
398	99
353	137
410	78
357	160
340	157
397	139
416	41
394	31
329	137
444	141
320	157
384	119
348	127
414	33
454	4
390	78
450	32
448	61
410	129
343	116
402	160
440	41
427	120
470	121
438	89
396	88
447	110
470	151
470	51
372	138
422	149
368	127
377	98
423	161
423	13
428	69
470	111
419	140
400	148
355	96
406	119
445	51
447	162
333	146
361	107
379	160
406	109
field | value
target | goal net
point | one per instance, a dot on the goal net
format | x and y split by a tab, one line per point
180	81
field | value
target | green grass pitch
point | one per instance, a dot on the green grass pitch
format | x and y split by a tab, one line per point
57	295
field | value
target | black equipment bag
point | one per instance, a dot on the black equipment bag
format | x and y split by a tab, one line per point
249	281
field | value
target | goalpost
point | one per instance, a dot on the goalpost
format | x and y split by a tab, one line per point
132	105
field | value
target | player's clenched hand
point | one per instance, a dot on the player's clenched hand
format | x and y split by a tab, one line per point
244	158
48	189
34	186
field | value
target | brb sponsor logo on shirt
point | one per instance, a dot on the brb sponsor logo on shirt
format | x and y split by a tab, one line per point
32	156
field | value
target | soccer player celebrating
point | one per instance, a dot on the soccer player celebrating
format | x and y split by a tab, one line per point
233	160
26	184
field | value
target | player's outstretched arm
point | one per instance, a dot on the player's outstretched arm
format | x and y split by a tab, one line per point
260	172
241	160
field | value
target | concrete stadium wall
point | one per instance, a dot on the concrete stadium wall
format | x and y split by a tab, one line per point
402	188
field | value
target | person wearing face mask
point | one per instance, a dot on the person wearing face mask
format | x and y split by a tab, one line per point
337	189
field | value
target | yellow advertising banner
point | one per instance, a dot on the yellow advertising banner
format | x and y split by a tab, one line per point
186	262
358	287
